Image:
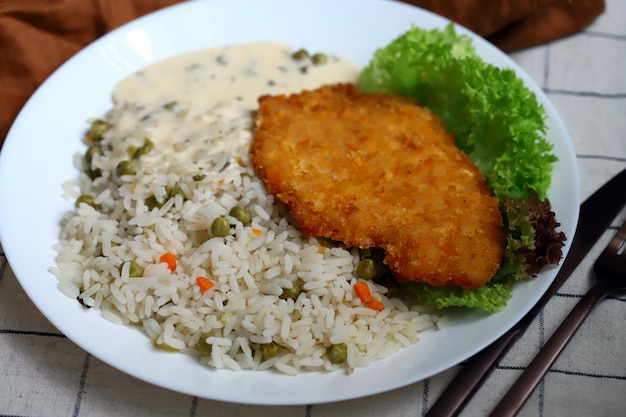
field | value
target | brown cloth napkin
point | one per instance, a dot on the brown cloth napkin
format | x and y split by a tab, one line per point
517	24
37	36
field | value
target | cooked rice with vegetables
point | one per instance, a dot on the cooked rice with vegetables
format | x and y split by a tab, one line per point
205	261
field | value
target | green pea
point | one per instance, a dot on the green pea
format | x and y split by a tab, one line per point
152	203
170	105
296	315
377	257
134	269
98	129
293	292
147	147
337	353
91	152
93	173
163	346
204	348
242	214
86	199
220	227
268	350
130	151
366	269
174	191
125	168
300	54
319	59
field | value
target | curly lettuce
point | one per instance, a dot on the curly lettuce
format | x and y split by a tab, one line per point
498	122
496	119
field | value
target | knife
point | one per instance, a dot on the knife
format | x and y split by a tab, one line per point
596	214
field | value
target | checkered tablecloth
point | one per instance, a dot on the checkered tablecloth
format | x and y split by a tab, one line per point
42	373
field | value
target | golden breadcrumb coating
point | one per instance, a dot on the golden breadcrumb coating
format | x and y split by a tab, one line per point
377	170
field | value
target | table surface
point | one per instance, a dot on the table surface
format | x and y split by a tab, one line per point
42	373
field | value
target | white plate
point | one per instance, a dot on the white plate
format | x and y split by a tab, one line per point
37	158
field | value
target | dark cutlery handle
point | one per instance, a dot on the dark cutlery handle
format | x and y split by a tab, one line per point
596	214
517	395
474	372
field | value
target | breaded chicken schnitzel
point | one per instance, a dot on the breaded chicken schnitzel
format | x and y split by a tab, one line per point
377	170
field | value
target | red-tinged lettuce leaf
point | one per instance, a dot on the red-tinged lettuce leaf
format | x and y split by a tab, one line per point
533	240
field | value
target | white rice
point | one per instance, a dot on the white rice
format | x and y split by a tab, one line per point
249	268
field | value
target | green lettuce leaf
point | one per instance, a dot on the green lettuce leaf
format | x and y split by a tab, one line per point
494	117
490	298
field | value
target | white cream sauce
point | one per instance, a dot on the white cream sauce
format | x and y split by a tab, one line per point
197	108
240	72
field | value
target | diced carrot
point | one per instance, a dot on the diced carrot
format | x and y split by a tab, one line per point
88	139
362	290
220	182
204	283
170	259
257	232
376	304
239	160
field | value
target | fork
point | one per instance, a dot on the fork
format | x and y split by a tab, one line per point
609	271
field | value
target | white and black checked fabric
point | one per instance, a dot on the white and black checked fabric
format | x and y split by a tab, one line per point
42	373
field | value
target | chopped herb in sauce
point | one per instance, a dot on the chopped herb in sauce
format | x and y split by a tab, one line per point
193	67
167	101
300	54
222	59
319	59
